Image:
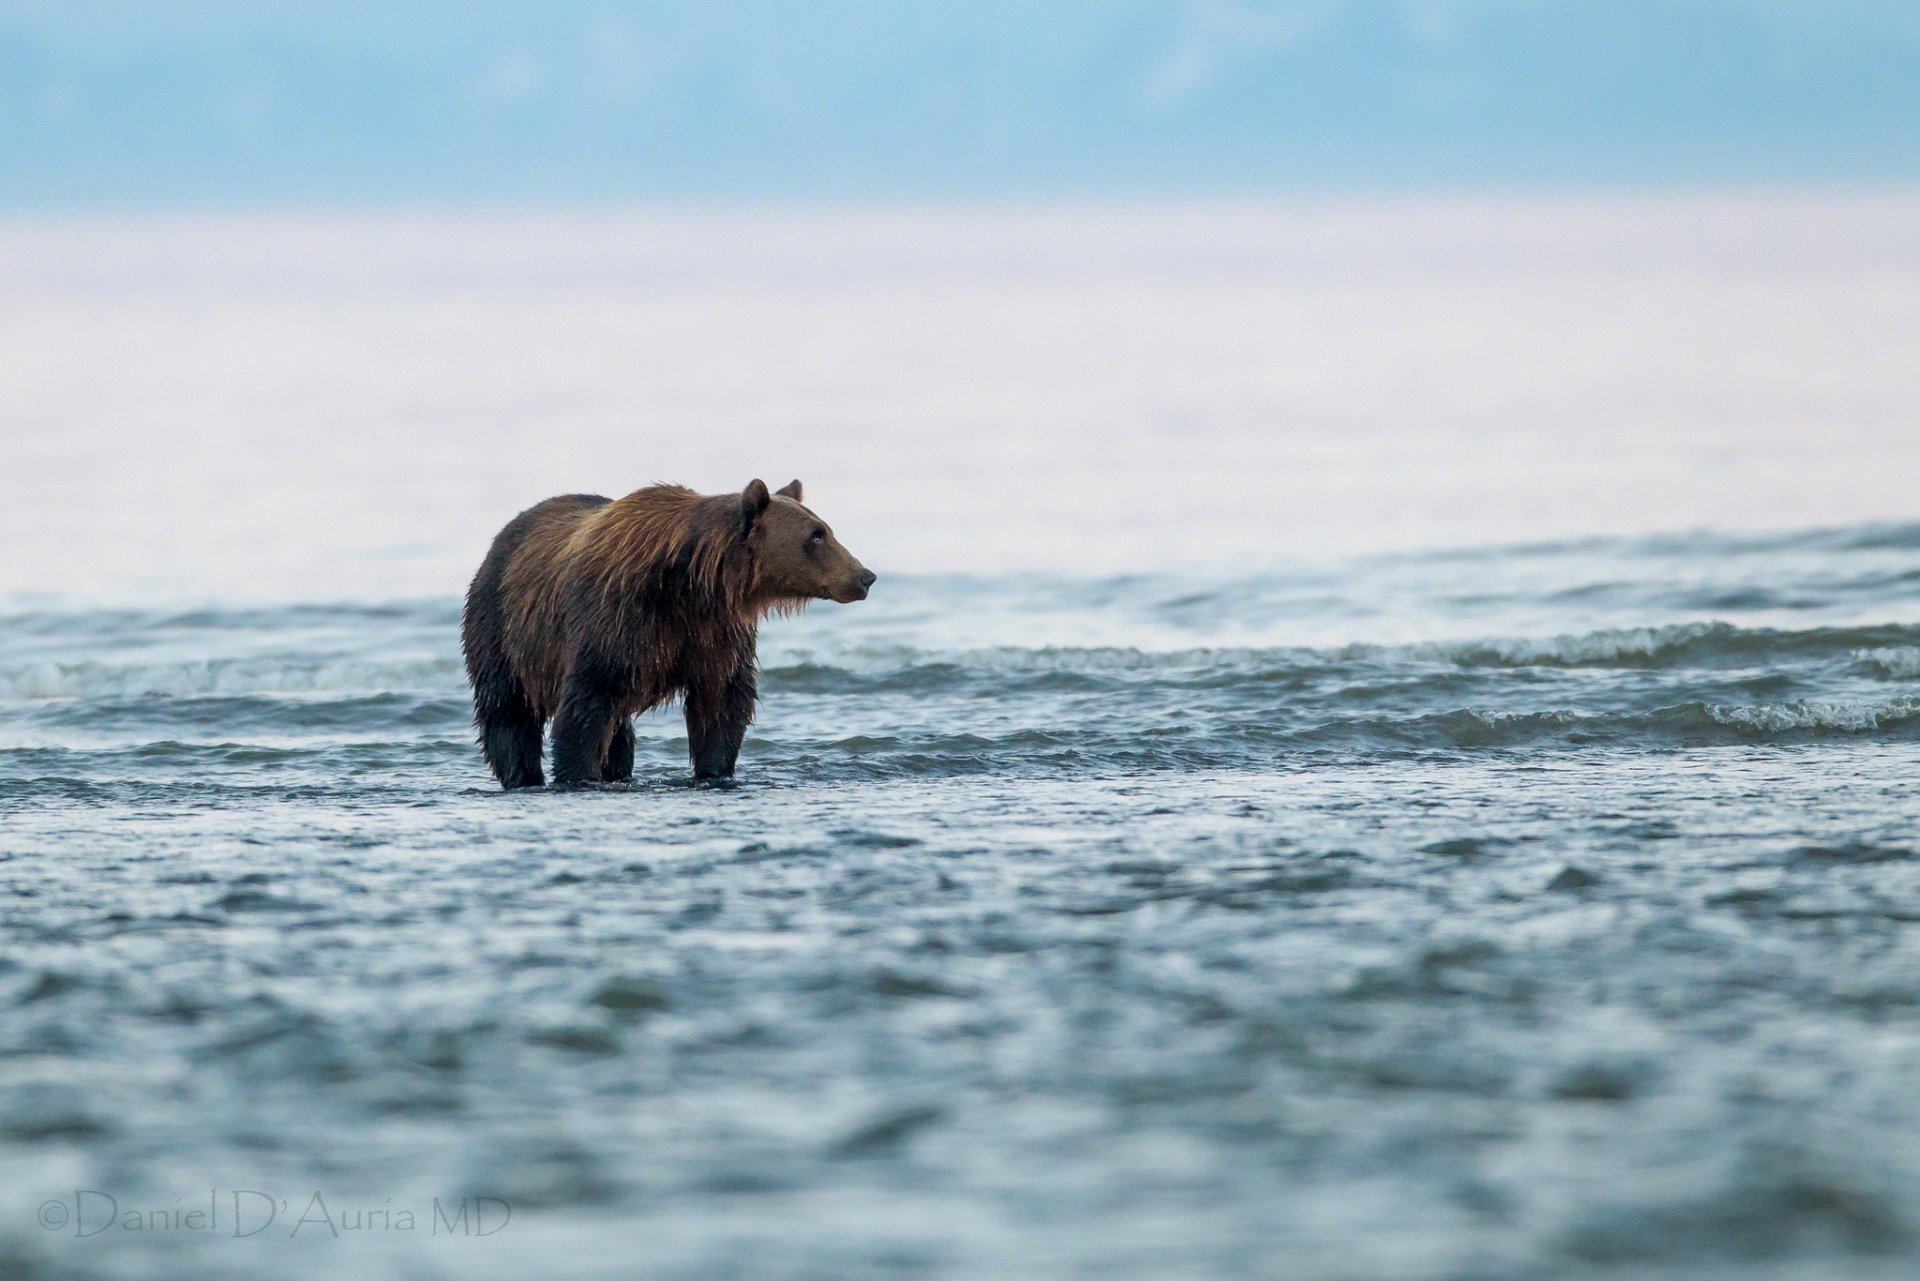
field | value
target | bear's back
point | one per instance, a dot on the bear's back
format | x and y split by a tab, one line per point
534	588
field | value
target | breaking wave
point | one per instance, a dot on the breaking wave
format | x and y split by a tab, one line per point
108	680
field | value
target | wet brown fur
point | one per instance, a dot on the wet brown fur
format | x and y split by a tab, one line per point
588	611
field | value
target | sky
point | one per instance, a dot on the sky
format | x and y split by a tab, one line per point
119	104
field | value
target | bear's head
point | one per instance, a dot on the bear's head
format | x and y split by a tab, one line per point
796	558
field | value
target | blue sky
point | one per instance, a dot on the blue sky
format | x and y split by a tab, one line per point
122	103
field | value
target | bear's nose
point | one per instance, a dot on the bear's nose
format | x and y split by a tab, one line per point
867	578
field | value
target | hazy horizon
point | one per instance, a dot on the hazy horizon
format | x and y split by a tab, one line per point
348	407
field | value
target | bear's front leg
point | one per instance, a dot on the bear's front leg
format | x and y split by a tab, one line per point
619	766
717	719
583	727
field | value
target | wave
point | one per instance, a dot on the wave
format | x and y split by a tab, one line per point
272	713
1900	662
1890	652
80	623
1704	543
1676	646
93	679
781	756
1818	718
1690	724
1240	744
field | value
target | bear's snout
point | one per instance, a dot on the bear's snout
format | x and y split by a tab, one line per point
862	581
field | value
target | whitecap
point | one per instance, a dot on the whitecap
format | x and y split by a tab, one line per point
52	680
1842	716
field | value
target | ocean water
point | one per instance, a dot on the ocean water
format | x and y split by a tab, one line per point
1056	926
1298	803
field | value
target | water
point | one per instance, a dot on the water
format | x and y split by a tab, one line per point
1184	865
1540	910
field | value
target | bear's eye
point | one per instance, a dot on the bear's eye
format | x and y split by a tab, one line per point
816	540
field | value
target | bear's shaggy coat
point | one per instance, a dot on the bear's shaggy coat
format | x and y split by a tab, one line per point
590	611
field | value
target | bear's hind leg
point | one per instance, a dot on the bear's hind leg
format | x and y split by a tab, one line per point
619	766
510	740
583	728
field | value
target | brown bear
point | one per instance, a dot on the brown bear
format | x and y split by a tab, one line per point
590	611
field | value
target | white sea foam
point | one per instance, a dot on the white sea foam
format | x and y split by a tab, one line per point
1841	715
1901	662
228	677
1609	647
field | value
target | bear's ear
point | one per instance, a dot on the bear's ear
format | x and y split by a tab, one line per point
753	501
790	490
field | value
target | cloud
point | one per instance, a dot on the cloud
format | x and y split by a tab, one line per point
1217	36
